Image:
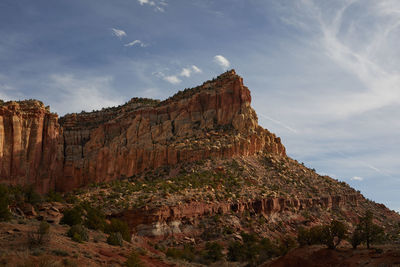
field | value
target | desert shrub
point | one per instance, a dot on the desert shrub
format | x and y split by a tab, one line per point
236	251
59	252
304	237
5	213
213	251
115	239
330	234
174	253
40	236
72	216
53	196
31	196
252	250
286	244
78	233
95	218
134	261
118	226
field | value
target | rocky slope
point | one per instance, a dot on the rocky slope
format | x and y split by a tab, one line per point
212	120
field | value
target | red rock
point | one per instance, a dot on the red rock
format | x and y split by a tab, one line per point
214	120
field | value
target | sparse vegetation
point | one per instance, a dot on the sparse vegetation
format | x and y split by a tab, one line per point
118	226
134	260
330	234
78	233
40	236
115	239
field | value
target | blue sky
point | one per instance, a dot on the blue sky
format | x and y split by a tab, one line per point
324	75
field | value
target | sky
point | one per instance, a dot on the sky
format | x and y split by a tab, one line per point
324	74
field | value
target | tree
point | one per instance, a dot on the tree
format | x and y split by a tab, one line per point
330	234
334	233
369	232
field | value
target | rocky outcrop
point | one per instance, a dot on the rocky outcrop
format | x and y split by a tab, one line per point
30	145
212	120
147	221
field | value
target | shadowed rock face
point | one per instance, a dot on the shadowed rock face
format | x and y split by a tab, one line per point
212	120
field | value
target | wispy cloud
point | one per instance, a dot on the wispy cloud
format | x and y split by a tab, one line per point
159	5
118	33
136	42
361	53
222	61
187	72
279	123
175	79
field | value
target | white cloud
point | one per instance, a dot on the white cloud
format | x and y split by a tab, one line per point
157	4
357	178
196	69
222	61
119	33
74	94
172	79
136	42
186	72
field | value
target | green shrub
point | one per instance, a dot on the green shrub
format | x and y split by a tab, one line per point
134	261
53	196
236	251
330	234
287	243
40	236
115	239
213	251
174	253
5	213
31	196
72	216
95	218
78	233
118	226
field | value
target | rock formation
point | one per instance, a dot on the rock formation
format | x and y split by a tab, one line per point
30	145
211	120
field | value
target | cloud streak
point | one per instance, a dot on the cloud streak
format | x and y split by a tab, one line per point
118	33
159	5
136	42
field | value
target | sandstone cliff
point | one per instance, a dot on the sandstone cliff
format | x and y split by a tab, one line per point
30	145
211	120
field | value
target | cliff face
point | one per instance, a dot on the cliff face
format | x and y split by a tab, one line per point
30	145
212	120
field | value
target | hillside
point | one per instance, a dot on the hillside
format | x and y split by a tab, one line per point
182	173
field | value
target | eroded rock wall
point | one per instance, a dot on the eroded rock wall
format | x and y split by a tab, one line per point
30	145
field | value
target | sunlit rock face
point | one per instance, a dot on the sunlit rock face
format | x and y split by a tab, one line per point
212	120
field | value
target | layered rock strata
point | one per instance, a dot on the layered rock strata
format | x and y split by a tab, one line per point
146	221
211	120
